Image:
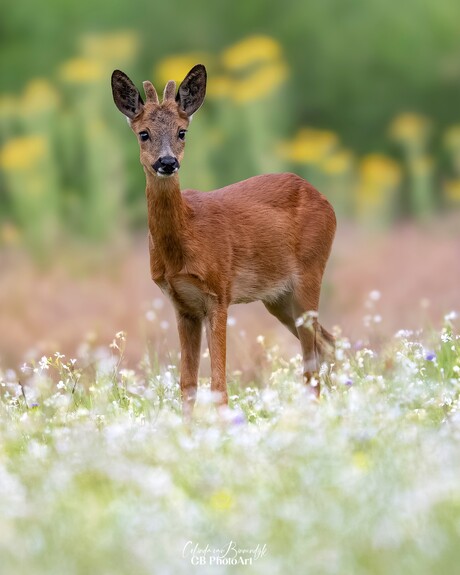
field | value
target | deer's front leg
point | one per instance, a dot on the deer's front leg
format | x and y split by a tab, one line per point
216	333
190	329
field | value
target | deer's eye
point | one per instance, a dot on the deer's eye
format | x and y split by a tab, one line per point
144	136
181	134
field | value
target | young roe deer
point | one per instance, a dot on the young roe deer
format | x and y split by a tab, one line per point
267	238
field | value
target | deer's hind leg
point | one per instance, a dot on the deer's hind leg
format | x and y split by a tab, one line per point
282	310
305	301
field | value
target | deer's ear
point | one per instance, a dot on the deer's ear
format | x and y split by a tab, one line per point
192	91
125	95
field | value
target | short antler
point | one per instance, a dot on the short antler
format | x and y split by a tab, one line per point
150	92
169	91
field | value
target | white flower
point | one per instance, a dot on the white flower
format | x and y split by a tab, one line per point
61	385
43	363
451	316
375	295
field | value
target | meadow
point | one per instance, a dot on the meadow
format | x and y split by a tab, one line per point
98	472
100	475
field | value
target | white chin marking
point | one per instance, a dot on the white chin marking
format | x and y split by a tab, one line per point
160	175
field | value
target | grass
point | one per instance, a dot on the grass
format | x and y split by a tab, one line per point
98	474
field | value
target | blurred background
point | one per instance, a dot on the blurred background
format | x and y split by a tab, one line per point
361	98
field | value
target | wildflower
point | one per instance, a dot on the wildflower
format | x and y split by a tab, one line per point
61	385
39	96
176	67
409	127
150	315
23	153
43	363
119	335
81	71
221	500
250	51
430	356
259	83
118	45
452	137
309	146
452	190
374	295
338	162
451	316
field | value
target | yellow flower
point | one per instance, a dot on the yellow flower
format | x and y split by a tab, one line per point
250	51
39	96
259	83
452	190
23	153
8	106
452	137
361	461
221	500
310	146
380	171
81	71
118	45
219	87
337	163
9	233
409	128
176	67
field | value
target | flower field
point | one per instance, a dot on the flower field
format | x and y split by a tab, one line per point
99	474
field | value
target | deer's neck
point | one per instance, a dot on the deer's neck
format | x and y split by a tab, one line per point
167	219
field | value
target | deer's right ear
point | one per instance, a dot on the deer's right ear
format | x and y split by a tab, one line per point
125	95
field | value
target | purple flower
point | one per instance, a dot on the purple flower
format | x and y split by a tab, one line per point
430	356
349	382
239	419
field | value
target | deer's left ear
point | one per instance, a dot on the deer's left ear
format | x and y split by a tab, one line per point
192	91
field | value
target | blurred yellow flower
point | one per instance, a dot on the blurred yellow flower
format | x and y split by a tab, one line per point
410	128
310	146
9	233
378	171
452	137
259	83
250	51
219	87
422	165
452	190
39	96
361	461
221	500
8	106
176	67
23	153
121	45
81	71
337	163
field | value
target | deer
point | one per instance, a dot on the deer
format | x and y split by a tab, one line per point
267	238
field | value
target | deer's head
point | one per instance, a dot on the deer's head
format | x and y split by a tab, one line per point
160	127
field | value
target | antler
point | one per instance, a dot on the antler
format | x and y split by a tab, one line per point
150	92
169	91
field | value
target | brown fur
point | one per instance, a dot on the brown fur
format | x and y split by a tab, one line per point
267	238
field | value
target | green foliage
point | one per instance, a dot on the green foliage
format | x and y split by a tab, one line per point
100	475
347	66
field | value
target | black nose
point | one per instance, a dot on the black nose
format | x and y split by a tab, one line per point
166	165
